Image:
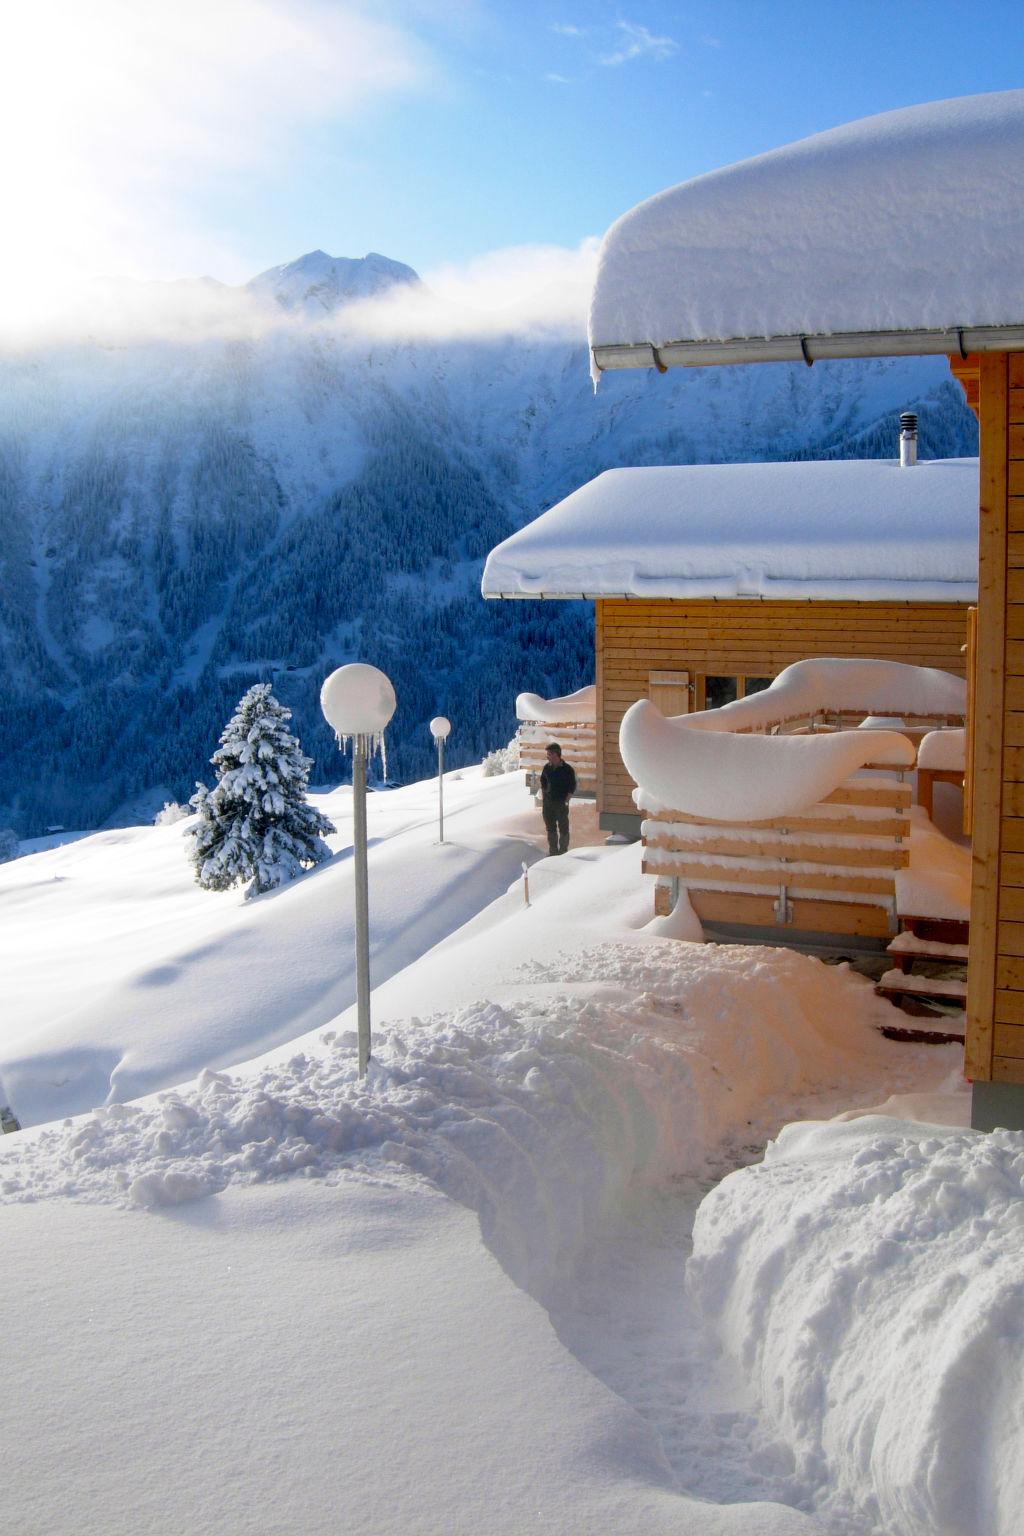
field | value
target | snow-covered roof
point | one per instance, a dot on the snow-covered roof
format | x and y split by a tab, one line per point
899	233
863	529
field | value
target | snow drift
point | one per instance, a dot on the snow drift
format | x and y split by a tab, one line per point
867	1276
539	1109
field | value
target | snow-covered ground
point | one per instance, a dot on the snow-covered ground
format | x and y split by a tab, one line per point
122	976
455	1297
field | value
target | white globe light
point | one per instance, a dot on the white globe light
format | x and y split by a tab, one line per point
357	700
439	727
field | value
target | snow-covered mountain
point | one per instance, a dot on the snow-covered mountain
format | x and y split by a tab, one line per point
317	284
265	501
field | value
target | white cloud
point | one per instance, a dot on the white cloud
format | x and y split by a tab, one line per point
553	78
113	111
637	42
519	291
564	29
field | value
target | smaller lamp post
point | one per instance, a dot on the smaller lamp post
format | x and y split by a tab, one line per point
357	702
439	729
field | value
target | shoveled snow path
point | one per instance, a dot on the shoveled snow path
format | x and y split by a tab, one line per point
573	1083
627	1316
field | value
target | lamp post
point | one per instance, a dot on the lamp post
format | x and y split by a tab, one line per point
357	702
439	729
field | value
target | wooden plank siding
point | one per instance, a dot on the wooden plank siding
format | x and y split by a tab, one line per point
994	1049
749	637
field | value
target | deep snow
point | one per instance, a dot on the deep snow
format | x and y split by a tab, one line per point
837	529
279	1283
148	978
904	221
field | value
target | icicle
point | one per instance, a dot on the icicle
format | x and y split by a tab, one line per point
375	744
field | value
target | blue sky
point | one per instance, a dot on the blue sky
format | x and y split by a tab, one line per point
161	139
539	133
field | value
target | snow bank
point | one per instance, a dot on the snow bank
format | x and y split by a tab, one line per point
539	1108
908	221
579	706
943	749
716	775
863	529
867	1276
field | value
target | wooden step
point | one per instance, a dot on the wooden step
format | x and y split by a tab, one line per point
923	1034
947	989
906	949
937	930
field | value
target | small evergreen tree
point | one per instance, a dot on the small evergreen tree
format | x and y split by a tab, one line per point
256	824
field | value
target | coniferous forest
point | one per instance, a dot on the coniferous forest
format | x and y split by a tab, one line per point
180	521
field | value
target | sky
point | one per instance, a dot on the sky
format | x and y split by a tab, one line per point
487	143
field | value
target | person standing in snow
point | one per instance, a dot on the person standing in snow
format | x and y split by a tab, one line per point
557	786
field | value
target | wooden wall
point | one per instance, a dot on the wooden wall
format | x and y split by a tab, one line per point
635	638
995	1010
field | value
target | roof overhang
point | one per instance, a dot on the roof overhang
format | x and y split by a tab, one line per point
960	340
896	235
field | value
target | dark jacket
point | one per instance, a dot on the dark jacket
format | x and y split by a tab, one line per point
557	783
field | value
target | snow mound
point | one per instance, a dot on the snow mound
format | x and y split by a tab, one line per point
719	776
579	706
867	1277
540	1112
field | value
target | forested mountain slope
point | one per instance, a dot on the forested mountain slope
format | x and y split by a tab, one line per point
182	517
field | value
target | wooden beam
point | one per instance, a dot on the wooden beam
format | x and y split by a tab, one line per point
990	697
808	915
700	875
805	853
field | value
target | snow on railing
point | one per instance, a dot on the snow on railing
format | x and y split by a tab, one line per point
843	687
580	707
572	722
808	829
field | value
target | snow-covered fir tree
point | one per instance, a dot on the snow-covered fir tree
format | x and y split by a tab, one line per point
256	824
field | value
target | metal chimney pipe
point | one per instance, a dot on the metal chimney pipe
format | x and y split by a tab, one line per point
908	439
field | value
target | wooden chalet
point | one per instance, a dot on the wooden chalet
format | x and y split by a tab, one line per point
709	580
893	236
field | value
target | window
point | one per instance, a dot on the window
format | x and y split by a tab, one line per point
719	688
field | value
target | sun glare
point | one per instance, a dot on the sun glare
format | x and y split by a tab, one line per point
114	113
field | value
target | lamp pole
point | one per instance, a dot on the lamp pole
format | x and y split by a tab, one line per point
440	727
362	882
357	702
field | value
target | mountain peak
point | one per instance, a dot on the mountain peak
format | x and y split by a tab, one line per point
318	283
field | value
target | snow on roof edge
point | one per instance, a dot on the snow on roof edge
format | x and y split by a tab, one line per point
889	235
837	530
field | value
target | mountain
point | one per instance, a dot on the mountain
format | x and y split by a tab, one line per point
317	284
181	518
